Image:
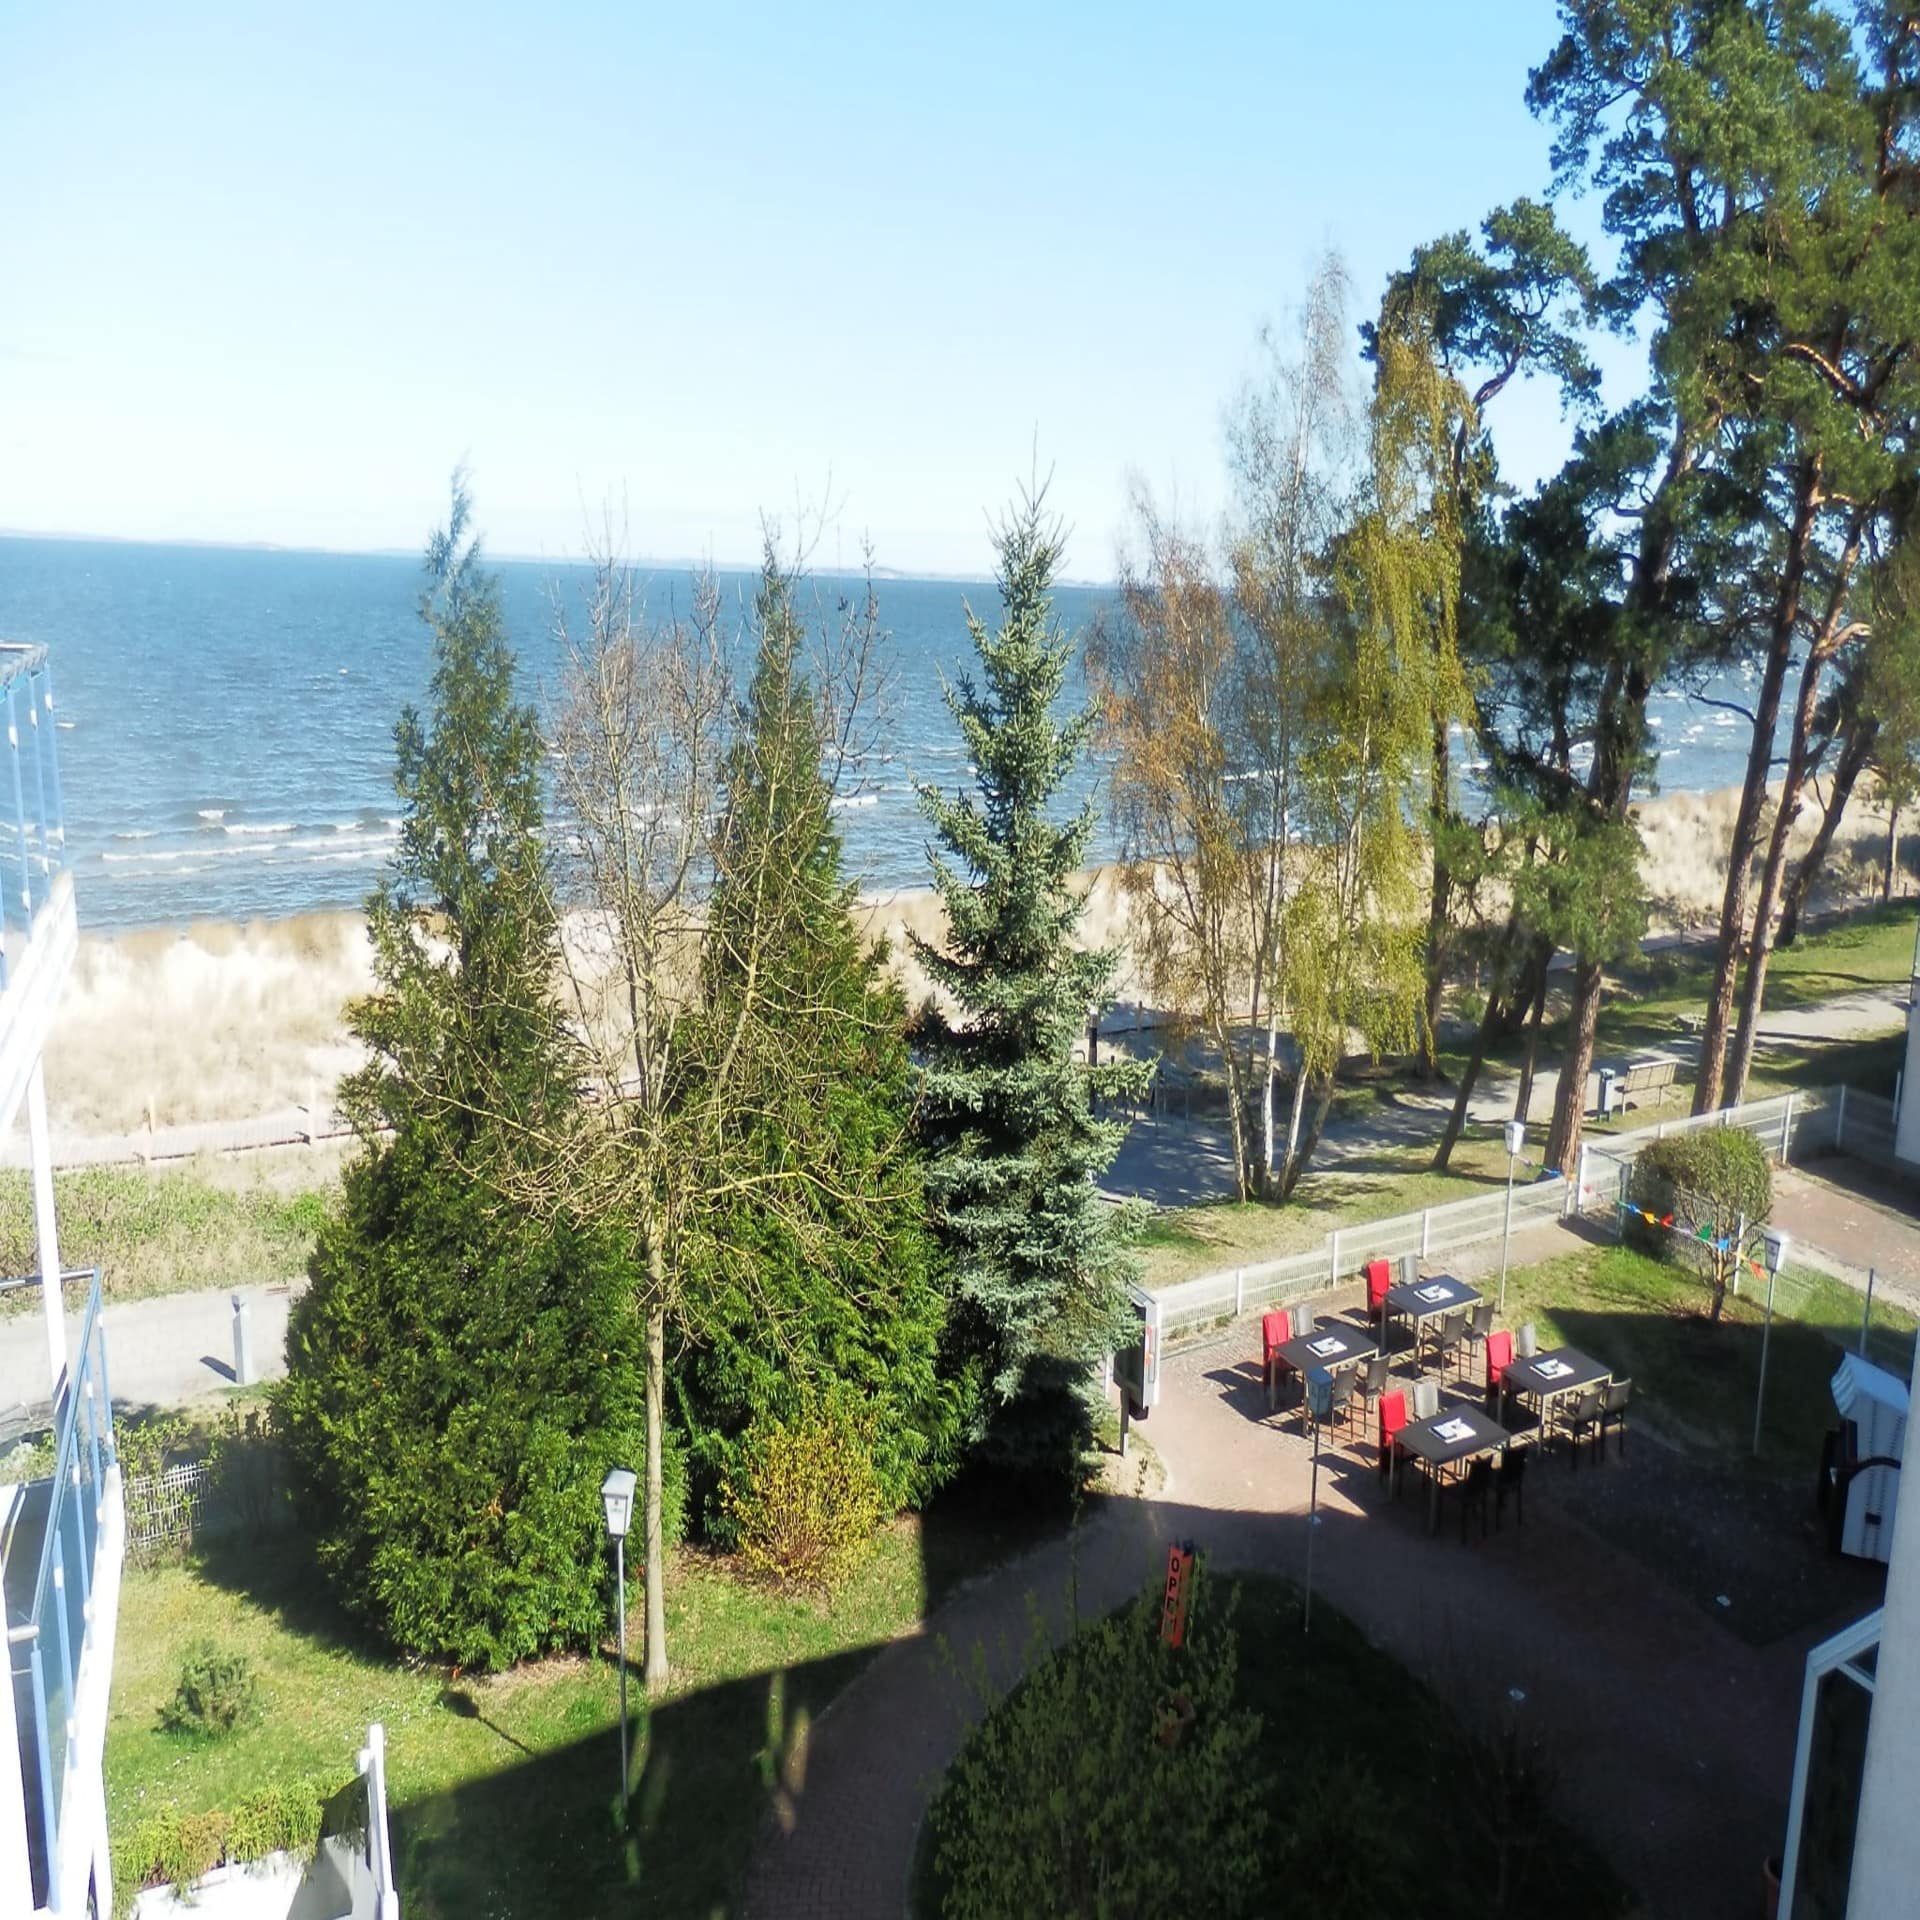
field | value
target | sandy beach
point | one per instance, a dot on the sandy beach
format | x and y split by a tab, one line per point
215	1021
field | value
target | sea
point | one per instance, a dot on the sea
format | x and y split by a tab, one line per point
226	715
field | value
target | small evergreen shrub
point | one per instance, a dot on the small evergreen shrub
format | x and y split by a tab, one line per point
1118	1778
1710	1183
808	1500
217	1692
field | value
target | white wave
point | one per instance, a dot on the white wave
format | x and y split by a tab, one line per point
261	826
842	802
136	833
213	813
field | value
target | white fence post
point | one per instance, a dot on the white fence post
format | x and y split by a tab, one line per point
1786	1131
1579	1198
1426	1231
1840	1123
1239	1291
1333	1242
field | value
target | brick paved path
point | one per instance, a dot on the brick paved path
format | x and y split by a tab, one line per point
1671	1741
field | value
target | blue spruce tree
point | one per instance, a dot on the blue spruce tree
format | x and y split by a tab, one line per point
1037	1259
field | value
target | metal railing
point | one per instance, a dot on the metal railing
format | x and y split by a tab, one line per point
33	826
58	1629
1792	1125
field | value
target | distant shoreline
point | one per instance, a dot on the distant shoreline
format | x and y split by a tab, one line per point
220	1020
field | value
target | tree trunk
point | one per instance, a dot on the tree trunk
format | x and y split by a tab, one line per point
1532	1006
1893	849
1498	985
1854	751
1440	899
1732	937
1301	1144
1570	1098
656	1569
1760	947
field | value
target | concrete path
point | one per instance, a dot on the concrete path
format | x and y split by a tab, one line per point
160	1353
1670	1741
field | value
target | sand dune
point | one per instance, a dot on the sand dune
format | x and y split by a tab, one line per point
221	1022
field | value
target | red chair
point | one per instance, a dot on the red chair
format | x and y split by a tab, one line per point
1276	1329
1379	1279
1499	1359
1393	1416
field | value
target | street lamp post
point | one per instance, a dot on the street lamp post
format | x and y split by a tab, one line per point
616	1492
1516	1140
1775	1255
1319	1385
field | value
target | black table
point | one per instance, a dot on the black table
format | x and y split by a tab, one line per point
1450	1438
1547	1376
1418	1301
1333	1346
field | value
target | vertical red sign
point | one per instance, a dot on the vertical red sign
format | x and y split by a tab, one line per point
1173	1611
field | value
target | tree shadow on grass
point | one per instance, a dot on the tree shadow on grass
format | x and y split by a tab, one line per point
543	1836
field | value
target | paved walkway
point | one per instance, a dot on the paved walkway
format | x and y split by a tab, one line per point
1670	1741
159	1352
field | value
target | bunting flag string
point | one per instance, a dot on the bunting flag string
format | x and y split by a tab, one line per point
1703	1234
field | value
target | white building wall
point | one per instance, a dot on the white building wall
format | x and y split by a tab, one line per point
1906	1138
1886	1847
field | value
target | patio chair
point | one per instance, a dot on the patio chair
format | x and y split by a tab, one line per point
1499	1359
1526	1343
1480	1322
1370	1382
1512	1486
1393	1416
1305	1320
1449	1342
1426	1399
1613	1411
1340	1400
1276	1329
1474	1494
1582	1419
1379	1279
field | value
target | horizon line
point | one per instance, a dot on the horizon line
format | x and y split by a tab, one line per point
662	563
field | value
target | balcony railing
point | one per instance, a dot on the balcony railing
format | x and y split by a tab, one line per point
48	1650
33	828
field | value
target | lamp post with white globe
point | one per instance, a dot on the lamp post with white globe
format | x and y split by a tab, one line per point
616	1492
1516	1140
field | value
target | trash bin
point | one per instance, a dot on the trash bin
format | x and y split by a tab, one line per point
1608	1076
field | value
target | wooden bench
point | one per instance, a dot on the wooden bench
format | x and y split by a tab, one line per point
1639	1078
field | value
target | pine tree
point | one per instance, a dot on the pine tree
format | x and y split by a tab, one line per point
1037	1257
815	1297
461	1372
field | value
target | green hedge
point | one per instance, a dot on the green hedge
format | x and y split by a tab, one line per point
175	1849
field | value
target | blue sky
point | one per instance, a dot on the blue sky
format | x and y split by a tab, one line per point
268	272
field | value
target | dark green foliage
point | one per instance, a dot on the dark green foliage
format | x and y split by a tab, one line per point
1119	1778
461	1373
1713	1183
217	1693
815	1293
1037	1258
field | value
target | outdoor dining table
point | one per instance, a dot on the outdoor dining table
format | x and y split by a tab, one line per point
1418	1301
1449	1439
1332	1346
1547	1376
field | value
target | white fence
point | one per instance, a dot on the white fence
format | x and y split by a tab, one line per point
164	1509
1793	1126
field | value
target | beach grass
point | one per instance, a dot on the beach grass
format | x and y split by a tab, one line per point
154	1232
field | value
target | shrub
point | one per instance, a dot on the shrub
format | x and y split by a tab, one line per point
1709	1183
217	1693
175	1849
1118	1778
807	1500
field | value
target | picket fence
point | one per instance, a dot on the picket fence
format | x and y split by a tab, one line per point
1793	1125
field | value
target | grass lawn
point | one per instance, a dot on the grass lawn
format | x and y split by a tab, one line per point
1181	1242
504	1789
1427	1829
1695	1382
153	1233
